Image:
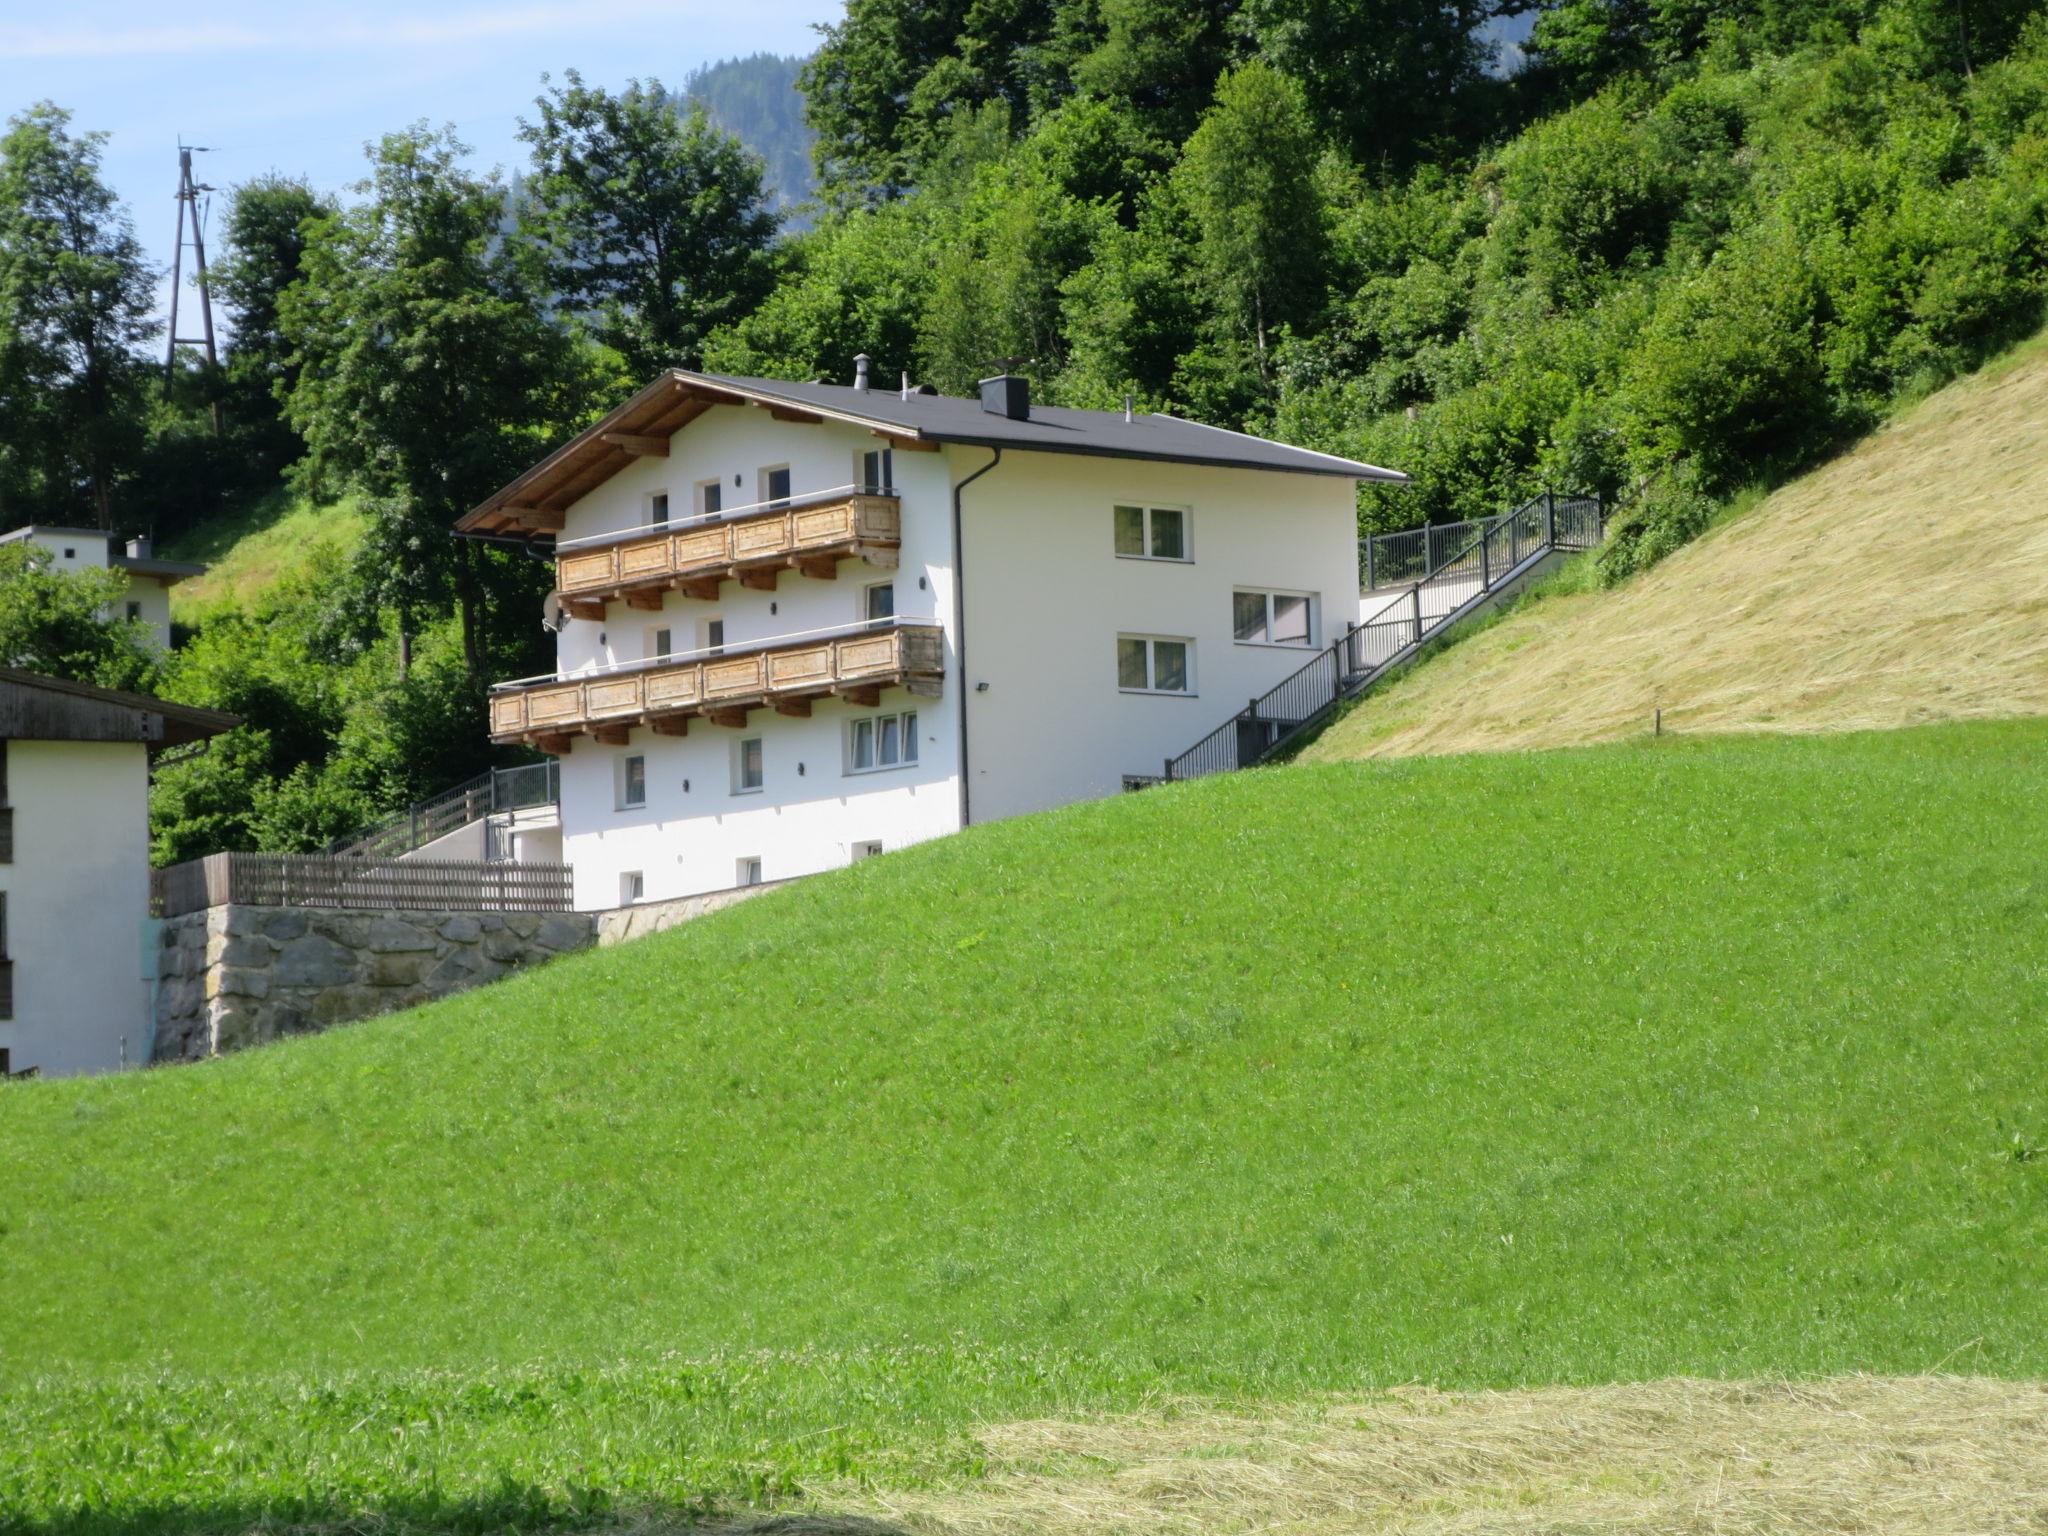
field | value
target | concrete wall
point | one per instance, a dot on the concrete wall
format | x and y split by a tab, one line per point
810	812
77	896
636	922
236	976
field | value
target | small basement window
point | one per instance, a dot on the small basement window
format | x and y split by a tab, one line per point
1151	533
1154	664
747	872
632	887
867	850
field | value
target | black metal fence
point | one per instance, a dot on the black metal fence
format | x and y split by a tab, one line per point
1499	551
500	789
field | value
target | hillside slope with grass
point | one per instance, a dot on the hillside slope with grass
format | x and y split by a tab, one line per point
1905	581
250	551
1707	1058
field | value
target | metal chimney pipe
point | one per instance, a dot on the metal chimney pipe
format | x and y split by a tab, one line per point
860	372
1127	408
906	384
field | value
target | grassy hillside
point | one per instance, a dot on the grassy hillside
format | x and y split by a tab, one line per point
251	550
1712	1057
1905	581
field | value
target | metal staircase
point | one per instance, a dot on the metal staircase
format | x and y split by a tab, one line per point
1501	552
499	789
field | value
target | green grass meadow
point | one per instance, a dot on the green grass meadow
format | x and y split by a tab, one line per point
1720	1057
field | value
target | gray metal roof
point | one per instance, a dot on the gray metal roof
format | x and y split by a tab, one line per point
1054	429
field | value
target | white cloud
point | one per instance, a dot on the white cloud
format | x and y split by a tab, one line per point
70	41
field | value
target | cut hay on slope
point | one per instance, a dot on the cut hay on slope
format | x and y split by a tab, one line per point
1905	582
1864	1454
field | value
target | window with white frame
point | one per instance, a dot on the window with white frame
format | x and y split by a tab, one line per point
657	507
747	871
747	763
878	600
1155	664
874	742
1272	618
775	485
867	850
1151	533
878	470
632	887
710	496
632	781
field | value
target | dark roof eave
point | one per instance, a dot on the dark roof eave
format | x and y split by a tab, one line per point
1337	470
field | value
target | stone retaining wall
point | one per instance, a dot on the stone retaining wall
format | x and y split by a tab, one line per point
234	976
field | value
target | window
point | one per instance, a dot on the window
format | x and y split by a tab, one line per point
6	965
878	470
879	601
1152	664
657	507
710	496
660	641
861	851
135	610
881	741
711	636
632	782
746	766
70	554
775	486
1271	618
1151	533
632	887
747	872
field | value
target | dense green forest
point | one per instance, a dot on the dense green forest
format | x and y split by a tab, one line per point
1682	249
755	99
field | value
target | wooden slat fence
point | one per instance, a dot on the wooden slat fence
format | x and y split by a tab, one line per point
320	880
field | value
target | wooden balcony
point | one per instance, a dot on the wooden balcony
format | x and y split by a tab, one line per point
785	675
753	548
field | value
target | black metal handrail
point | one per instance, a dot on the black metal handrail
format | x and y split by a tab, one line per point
497	789
1500	553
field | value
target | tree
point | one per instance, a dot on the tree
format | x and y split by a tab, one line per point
649	219
263	241
427	374
75	300
1387	79
1245	179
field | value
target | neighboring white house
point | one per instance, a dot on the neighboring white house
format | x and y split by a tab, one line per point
800	624
74	869
149	579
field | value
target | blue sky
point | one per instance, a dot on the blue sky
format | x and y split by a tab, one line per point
276	85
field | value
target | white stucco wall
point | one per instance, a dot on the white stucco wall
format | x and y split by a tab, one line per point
1047	597
77	896
810	812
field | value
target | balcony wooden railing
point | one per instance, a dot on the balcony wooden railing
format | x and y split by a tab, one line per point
754	547
784	674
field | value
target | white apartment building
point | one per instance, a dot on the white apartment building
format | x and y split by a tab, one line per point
150	579
801	624
76	946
